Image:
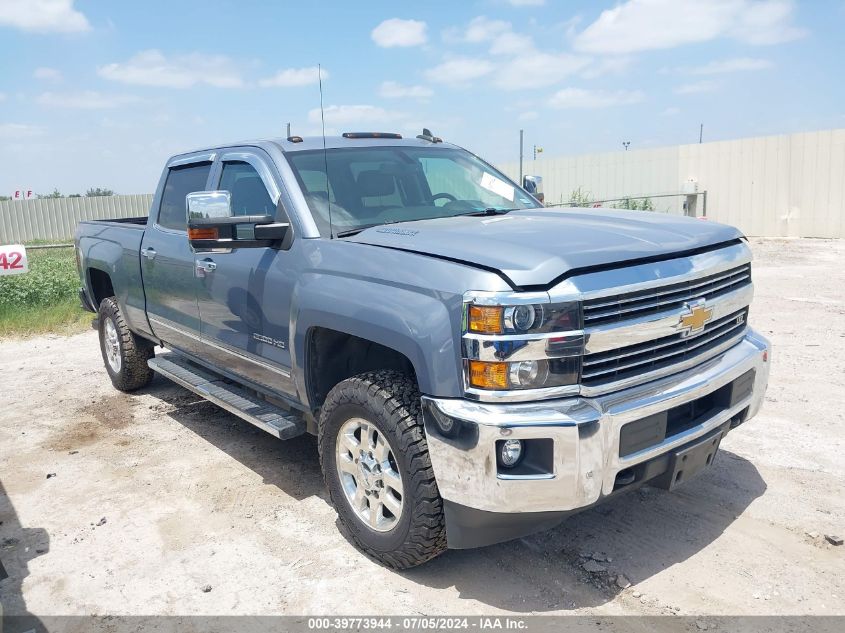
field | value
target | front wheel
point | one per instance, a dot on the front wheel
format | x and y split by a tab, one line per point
376	465
124	354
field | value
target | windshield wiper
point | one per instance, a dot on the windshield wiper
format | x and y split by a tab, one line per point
488	211
364	227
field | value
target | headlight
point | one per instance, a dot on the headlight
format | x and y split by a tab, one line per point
523	319
521	344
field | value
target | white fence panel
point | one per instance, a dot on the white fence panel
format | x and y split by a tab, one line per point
786	185
55	219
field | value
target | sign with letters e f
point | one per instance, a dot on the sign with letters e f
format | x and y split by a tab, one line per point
13	260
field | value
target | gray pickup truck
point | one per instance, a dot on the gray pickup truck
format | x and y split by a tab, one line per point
474	365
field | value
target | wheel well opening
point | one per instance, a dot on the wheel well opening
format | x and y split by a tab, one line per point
101	286
335	356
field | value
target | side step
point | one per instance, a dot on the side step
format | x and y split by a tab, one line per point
229	396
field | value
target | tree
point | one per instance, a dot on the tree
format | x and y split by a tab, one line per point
74	195
4	198
93	193
55	194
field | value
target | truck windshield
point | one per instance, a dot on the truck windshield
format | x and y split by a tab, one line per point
370	186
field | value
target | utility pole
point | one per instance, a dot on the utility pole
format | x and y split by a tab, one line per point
700	133
520	157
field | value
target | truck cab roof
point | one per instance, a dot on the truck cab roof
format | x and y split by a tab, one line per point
310	143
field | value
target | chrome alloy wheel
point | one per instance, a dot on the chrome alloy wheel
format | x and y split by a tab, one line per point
112	344
368	473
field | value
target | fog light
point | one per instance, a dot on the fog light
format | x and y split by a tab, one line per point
510	453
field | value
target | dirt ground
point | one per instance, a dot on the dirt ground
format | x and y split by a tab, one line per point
159	495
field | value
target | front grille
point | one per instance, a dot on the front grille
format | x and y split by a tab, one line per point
631	305
624	362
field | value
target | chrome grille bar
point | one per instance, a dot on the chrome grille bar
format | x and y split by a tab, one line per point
620	363
633	304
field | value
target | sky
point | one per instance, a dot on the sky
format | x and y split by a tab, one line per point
100	93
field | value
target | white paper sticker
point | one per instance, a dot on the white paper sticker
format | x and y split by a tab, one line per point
497	186
13	260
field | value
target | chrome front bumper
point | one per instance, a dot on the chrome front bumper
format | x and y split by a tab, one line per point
585	433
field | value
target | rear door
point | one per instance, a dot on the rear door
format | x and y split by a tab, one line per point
244	295
167	262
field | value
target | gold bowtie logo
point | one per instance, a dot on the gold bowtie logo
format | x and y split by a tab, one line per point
694	321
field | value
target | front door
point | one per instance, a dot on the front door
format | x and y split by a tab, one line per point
244	294
167	262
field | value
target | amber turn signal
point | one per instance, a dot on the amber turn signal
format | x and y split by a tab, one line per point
485	319
202	234
486	375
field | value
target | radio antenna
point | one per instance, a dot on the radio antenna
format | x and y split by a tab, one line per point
325	153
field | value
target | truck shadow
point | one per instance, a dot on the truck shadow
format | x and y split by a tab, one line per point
18	546
636	535
641	533
292	466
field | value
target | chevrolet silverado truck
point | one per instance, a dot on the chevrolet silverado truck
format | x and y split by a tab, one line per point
475	366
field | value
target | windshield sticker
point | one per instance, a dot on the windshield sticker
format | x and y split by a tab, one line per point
497	186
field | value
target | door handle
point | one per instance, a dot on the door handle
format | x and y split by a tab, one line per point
206	265
149	252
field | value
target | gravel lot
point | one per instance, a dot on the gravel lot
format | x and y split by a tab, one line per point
160	495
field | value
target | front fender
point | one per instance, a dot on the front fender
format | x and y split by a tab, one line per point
421	324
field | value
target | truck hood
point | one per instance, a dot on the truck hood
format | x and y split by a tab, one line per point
534	247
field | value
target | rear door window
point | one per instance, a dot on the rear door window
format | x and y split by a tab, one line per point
181	181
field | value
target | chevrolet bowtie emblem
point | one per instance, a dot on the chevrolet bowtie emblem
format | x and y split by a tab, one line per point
696	317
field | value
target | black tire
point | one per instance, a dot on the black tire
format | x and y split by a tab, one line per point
390	402
134	352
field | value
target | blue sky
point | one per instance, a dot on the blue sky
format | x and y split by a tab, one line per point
100	93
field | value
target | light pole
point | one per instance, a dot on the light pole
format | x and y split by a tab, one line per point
520	157
626	144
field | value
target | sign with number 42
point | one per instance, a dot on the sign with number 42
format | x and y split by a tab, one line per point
13	260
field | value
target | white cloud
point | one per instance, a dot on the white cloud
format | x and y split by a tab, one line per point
47	74
526	3
530	115
511	44
394	90
483	29
737	64
638	25
607	66
347	114
459	70
86	100
19	130
671	111
293	77
398	32
43	16
696	87
152	68
580	98
536	70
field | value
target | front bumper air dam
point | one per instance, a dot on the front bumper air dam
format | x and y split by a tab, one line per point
484	506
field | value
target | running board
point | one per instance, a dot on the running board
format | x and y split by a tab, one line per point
229	396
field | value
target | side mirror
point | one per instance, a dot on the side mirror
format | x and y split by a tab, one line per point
212	225
534	186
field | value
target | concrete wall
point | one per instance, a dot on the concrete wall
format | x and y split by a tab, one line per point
788	185
55	219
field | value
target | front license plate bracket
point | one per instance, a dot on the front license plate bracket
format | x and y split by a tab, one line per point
689	461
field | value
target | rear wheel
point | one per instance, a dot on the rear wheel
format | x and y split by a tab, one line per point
377	469
125	355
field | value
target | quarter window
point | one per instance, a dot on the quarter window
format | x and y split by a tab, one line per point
181	181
